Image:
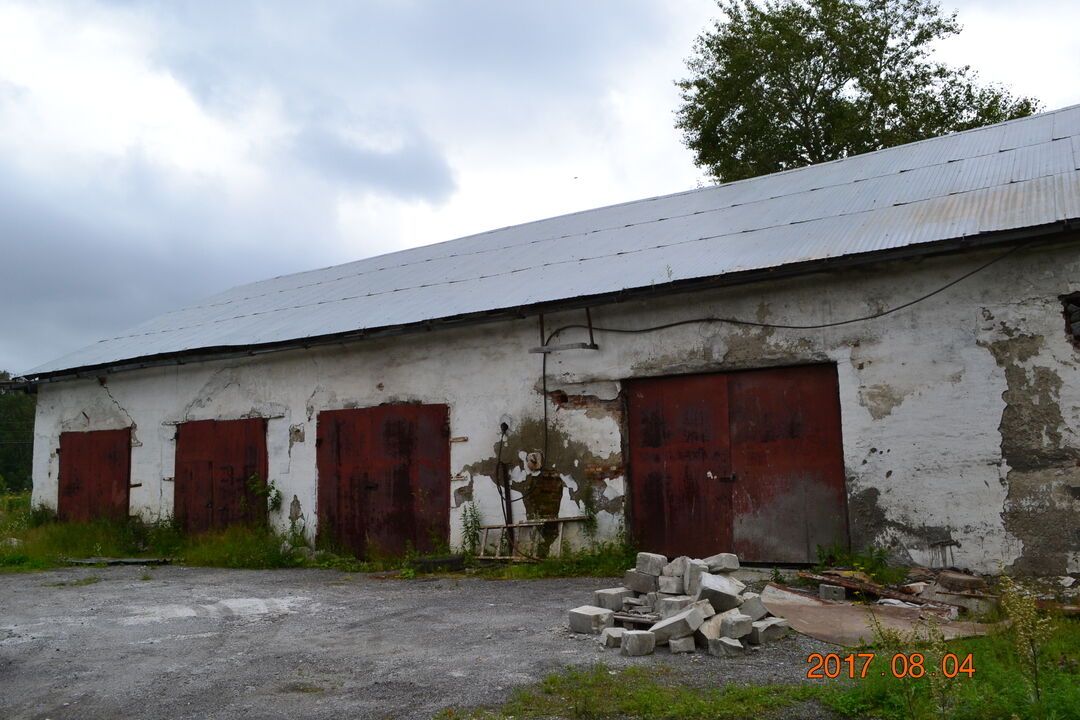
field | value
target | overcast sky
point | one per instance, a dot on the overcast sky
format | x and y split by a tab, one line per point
153	153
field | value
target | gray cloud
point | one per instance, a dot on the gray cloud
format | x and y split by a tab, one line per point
83	260
414	171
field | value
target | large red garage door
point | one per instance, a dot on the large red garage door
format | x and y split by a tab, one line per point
748	462
384	478
95	474
221	470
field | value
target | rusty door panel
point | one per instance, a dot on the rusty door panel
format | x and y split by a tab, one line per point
95	475
680	457
787	451
384	478
221	466
749	462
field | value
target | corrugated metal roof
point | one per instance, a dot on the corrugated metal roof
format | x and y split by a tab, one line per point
1003	177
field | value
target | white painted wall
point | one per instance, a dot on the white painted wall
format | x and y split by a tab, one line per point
922	397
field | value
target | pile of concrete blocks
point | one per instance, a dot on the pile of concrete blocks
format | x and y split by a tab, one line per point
685	604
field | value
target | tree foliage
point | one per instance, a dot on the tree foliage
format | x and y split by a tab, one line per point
16	438
789	83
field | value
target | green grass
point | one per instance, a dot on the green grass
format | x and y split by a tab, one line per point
997	689
603	560
640	692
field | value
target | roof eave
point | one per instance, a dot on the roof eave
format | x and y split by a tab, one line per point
1050	231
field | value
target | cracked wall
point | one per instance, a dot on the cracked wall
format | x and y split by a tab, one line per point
959	414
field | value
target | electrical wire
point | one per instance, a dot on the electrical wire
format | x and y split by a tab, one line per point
779	326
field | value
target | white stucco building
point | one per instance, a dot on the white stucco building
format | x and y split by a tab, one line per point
879	350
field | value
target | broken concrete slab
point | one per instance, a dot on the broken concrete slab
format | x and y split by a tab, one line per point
736	626
651	563
720	590
671	585
692	579
612	636
633	603
850	625
677	567
637	642
722	562
682	645
679	625
591	619
669	606
612	598
640	582
726	647
767	630
752	606
832	593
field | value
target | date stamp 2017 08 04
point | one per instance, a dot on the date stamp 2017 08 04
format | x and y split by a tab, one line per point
901	665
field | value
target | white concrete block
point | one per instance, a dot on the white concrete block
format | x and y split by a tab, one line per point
677	567
767	630
692	578
712	627
637	642
752	606
681	624
705	606
682	645
671	585
669	606
612	598
736	626
720	590
612	636
835	593
651	563
640	582
726	647
722	562
591	619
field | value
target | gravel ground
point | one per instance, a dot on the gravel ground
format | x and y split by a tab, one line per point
212	643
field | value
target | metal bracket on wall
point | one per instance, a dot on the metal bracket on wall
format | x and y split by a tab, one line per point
545	348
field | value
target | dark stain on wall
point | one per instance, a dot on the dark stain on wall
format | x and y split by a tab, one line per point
867	521
542	492
1039	509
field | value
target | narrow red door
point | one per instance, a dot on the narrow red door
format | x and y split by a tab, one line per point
95	475
221	474
384	478
680	457
787	452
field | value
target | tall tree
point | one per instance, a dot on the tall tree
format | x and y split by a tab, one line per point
16	437
787	83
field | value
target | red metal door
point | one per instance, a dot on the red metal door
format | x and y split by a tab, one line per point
680	456
384	478
221	469
745	462
787	452
95	475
